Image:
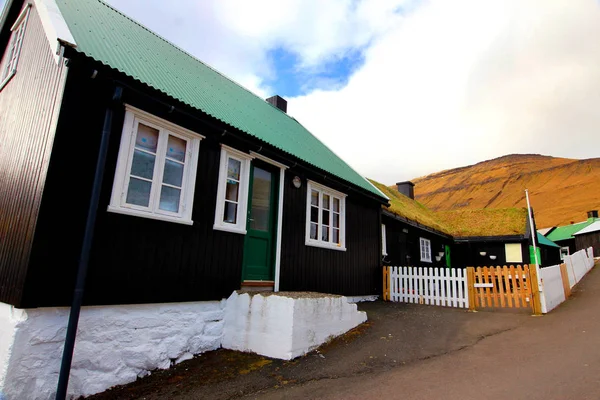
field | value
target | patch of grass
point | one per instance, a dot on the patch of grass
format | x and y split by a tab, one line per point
485	221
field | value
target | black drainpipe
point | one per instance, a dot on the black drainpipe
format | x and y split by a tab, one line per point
67	358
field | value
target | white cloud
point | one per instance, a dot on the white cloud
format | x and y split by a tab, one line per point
443	84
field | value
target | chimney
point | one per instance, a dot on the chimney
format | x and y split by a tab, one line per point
278	102
407	189
592	214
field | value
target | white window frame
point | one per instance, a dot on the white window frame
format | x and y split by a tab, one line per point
118	200
310	186
425	247
10	60
242	209
383	241
512	247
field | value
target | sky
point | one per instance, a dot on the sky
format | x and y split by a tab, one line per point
403	88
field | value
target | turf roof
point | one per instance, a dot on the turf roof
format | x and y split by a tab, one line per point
411	209
110	37
485	221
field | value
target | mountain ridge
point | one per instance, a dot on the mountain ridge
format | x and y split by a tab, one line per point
561	189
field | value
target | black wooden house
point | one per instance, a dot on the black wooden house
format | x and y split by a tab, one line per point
206	187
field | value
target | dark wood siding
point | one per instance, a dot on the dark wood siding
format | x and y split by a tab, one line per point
133	259
586	240
404	248
355	271
29	105
467	254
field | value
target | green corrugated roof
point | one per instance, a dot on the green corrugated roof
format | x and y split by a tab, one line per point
545	241
567	231
110	37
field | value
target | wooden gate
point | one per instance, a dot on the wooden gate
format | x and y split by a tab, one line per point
503	287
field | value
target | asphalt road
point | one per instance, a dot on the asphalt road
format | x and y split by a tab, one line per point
556	356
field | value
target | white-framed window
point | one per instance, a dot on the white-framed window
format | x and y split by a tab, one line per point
383	241
564	251
325	217
232	191
8	66
156	169
513	252
425	249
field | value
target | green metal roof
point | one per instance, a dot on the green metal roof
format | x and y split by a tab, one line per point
567	231
110	37
541	239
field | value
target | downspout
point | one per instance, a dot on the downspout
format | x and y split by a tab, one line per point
67	358
535	255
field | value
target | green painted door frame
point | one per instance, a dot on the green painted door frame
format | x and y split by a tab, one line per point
260	243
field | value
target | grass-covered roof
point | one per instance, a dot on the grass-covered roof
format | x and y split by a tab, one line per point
485	221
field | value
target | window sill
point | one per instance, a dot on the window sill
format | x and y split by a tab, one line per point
232	229
135	213
7	79
324	245
427	261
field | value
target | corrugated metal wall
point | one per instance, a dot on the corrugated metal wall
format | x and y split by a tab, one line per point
29	104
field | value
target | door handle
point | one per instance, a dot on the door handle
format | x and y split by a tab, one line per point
250	219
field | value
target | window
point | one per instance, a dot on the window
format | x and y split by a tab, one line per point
325	217
564	251
8	67
425	249
513	252
232	192
156	169
383	241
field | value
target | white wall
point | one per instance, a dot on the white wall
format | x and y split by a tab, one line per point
115	344
284	327
554	292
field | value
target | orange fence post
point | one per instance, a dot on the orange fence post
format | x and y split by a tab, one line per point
386	284
471	287
564	274
536	302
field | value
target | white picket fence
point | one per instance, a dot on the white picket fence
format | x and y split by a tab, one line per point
445	287
579	264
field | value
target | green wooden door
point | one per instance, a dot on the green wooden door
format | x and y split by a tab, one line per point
260	242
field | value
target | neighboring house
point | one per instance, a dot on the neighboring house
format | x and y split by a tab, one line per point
487	237
564	235
549	251
206	188
589	237
411	234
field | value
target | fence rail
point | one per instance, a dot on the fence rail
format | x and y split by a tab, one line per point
446	287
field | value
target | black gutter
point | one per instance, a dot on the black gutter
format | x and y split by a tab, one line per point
67	358
503	238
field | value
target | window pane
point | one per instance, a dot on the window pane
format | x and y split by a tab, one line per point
325	234
314	198
176	148
336	220
142	164
314	214
325	220
336	235
336	204
261	200
173	173
138	192
230	213
169	199
233	169
326	200
146	138
232	190
313	231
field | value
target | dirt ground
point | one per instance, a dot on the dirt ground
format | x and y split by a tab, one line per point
396	335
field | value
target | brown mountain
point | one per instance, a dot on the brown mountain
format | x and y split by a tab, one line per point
561	189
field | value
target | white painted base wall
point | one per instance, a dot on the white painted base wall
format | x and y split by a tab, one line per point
286	327
115	344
